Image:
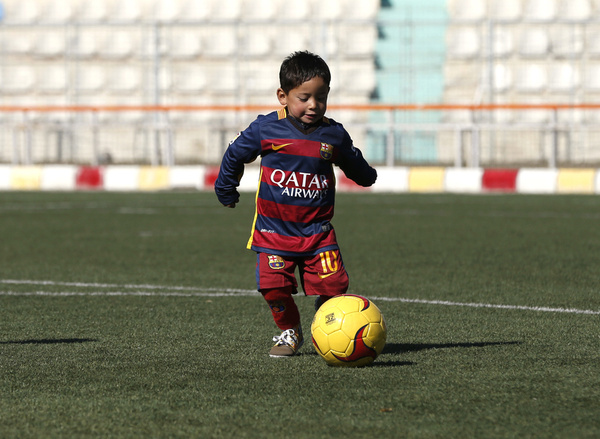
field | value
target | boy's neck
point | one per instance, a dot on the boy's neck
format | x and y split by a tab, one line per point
305	128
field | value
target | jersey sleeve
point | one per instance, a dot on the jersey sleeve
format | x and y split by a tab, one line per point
243	149
353	164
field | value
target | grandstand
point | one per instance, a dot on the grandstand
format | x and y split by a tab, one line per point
165	82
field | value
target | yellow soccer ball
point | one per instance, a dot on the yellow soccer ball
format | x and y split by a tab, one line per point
348	331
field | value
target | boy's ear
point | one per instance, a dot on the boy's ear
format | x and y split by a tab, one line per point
282	96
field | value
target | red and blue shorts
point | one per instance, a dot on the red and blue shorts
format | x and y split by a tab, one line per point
323	274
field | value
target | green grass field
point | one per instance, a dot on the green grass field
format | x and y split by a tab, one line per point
134	315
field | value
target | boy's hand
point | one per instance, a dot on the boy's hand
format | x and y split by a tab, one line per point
232	205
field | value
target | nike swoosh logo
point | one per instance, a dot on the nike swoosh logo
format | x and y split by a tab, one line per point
323	276
276	147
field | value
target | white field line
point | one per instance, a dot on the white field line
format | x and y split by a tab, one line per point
180	291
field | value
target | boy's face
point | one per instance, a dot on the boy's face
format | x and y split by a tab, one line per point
307	102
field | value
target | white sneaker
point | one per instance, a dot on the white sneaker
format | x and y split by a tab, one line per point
287	344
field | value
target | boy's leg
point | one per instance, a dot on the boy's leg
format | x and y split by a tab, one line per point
325	276
277	282
284	309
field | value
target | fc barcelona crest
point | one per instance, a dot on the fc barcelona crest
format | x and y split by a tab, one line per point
276	262
326	151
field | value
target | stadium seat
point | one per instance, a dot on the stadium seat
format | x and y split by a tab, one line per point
220	41
119	44
17	79
329	10
194	10
357	41
361	9
567	41
530	78
261	79
296	10
467	10
256	41
189	80
225	10
57	12
21	12
294	38
540	10
505	10
502	42
123	79
91	11
534	42
88	42
503	78
126	11
593	43
50	43
591	78
17	41
167	11
463	42
223	78
89	79
260	10
52	79
563	78
574	10
357	78
184	43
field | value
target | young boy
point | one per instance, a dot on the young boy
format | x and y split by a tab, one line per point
298	146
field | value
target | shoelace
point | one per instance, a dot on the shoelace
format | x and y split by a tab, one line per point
287	337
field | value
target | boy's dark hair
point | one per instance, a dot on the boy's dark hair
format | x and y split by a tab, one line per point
300	67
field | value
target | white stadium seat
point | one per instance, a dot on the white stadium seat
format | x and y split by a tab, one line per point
90	79
503	78
167	10
591	78
534	42
361	9
540	10
530	78
52	79
261	10
463	42
123	79
220	41
467	10
88	42
21	11
91	11
57	12
190	80
50	43
225	10
17	79
119	44
563	77
503	42
184	43
357	40
574	10
567	41
506	10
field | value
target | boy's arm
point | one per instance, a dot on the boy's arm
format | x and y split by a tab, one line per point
244	149
354	165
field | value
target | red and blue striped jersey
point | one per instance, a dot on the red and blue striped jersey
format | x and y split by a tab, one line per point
296	192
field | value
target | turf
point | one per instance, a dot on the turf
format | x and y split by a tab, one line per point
149	327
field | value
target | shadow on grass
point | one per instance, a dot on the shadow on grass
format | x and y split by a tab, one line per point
399	348
51	341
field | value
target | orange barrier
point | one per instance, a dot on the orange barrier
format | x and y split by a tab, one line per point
358	107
